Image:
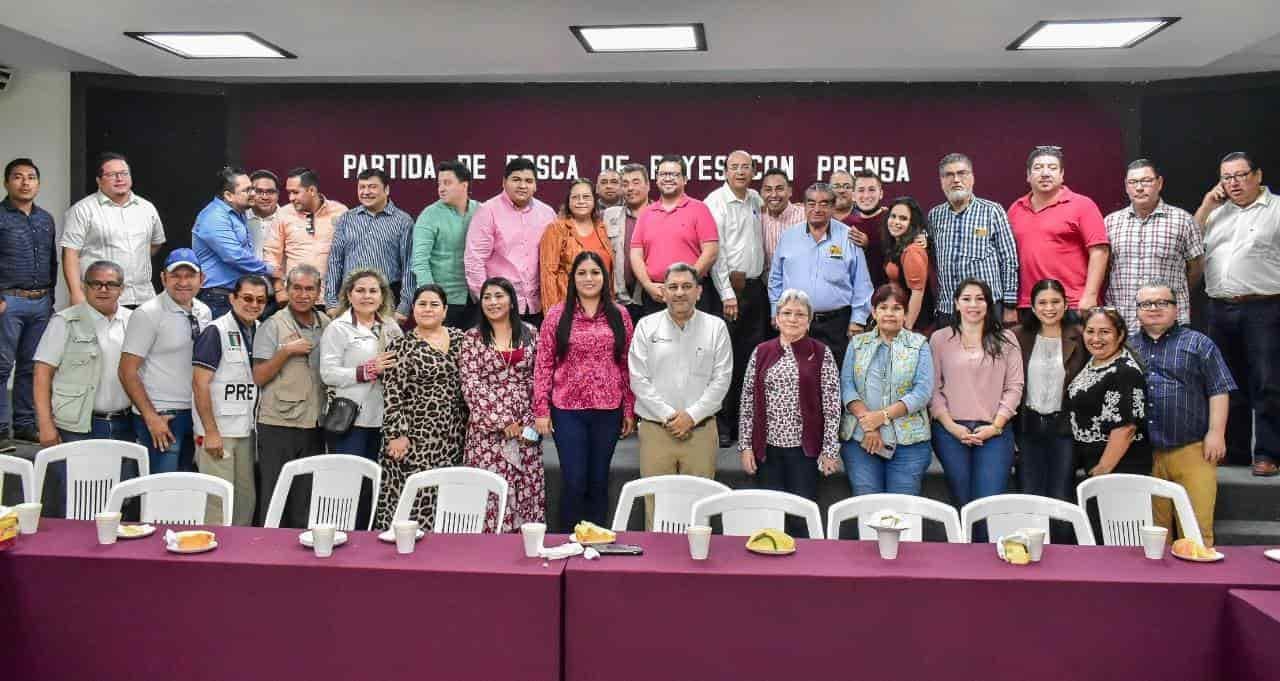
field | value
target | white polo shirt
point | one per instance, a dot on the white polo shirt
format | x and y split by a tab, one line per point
101	230
1242	248
160	332
110	396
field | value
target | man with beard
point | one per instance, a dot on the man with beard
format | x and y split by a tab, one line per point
678	228
609	190
620	224
971	238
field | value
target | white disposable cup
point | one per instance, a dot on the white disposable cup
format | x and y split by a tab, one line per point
1153	540
406	532
322	535
699	541
533	534
108	523
28	517
1035	543
888	541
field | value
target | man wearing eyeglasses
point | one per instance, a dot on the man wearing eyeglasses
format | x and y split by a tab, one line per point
609	189
28	272
1187	400
676	228
225	395
304	232
114	224
1060	235
1241	220
264	207
222	243
155	363
1151	240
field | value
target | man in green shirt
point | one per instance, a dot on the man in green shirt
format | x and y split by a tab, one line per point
440	237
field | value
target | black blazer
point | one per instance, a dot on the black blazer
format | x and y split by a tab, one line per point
1074	357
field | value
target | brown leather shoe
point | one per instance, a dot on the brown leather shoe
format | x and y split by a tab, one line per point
1265	469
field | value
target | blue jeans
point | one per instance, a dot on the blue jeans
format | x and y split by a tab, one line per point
100	429
1048	461
219	304
974	472
585	440
180	456
21	326
1248	335
871	474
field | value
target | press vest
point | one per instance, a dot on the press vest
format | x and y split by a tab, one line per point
75	383
232	391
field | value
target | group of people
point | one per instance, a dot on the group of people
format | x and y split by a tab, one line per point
839	332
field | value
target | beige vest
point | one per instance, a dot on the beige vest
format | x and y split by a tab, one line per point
296	397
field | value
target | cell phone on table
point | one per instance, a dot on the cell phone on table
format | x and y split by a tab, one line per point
619	550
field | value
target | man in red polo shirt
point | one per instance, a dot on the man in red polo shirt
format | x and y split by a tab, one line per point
1060	234
676	228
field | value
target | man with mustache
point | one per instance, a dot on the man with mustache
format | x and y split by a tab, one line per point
677	228
620	225
375	234
303	234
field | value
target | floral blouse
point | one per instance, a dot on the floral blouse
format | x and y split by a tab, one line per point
1101	399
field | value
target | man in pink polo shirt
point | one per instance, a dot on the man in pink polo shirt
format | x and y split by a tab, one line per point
1060	235
677	228
503	238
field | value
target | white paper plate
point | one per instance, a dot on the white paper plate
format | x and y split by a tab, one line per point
145	530
390	536
1217	556
1273	554
339	538
174	549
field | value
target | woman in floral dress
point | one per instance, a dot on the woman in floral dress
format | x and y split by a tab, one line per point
497	381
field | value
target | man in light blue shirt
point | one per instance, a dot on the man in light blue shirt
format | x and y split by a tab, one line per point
221	241
819	258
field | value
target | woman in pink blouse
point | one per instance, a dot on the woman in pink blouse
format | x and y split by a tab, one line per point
977	378
582	388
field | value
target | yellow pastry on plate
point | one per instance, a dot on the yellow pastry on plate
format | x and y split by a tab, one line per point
590	533
771	541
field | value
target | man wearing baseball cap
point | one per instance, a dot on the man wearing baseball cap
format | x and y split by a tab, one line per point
155	363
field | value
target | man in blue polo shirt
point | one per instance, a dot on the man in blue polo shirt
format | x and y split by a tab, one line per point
221	241
819	258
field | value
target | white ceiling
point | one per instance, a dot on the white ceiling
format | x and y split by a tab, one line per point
749	40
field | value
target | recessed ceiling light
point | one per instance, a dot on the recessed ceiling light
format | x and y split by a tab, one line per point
208	45
1090	34
642	38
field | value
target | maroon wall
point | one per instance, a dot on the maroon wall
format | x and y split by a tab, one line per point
996	125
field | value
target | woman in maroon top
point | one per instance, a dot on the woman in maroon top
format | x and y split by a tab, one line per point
497	381
582	388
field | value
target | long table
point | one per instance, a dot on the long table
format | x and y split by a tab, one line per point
940	611
1252	635
261	606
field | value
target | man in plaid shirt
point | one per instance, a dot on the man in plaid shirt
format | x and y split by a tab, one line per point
1152	241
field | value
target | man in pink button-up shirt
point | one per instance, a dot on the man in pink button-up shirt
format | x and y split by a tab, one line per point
503	238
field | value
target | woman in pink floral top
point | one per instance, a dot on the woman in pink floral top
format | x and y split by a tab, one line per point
497	381
582	388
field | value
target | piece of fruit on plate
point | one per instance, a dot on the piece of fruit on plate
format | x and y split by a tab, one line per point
590	533
771	540
1187	548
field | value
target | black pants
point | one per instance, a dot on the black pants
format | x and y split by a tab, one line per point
832	328
746	332
709	302
1248	335
787	469
278	445
462	315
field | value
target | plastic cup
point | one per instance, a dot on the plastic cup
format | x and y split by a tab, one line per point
406	535
1035	543
1153	540
28	517
888	538
699	541
108	523
322	535
533	534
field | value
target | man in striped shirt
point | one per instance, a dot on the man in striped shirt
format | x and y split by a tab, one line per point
375	234
971	238
779	213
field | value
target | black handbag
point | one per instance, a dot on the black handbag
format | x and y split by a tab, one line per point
340	416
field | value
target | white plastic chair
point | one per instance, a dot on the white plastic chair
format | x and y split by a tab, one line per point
1006	513
462	498
673	498
911	508
745	511
93	468
335	489
22	468
174	498
1124	506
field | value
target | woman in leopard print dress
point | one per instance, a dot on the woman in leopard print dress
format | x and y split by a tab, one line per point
425	415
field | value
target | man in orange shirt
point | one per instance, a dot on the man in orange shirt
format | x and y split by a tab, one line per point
303	232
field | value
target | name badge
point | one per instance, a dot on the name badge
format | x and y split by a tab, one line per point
981	231
835	252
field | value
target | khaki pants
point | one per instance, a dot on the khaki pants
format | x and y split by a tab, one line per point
236	467
661	454
1186	466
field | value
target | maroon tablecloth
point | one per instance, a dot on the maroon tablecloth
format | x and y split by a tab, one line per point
940	611
261	606
1252	635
